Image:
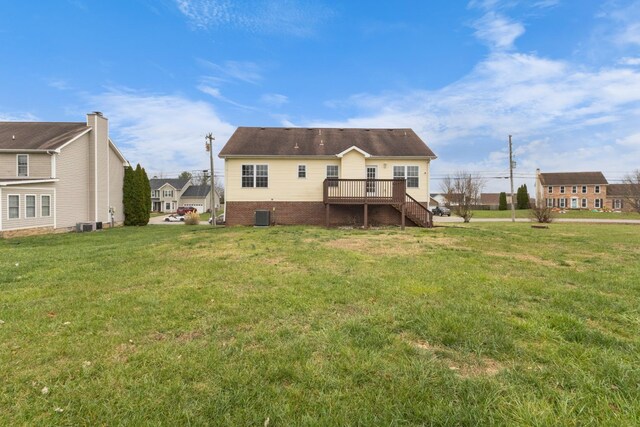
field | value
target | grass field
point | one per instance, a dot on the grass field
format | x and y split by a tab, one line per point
480	324
569	214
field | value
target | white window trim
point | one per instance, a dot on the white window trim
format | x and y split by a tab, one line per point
35	206
617	204
584	203
255	174
550	189
41	204
9	206
562	203
18	165
549	203
577	204
305	171
327	172
584	189
574	189
597	204
562	189
405	170
596	189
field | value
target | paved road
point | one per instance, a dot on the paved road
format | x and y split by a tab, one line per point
446	219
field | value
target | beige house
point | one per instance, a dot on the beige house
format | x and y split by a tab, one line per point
55	175
167	194
326	176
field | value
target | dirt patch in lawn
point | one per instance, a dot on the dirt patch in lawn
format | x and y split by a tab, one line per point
528	258
388	244
464	366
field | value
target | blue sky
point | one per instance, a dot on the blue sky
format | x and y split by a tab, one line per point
563	77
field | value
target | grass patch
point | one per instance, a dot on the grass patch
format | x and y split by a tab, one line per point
569	214
488	323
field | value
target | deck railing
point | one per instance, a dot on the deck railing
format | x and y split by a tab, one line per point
369	191
418	212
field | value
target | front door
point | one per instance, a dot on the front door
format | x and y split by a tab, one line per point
574	203
372	174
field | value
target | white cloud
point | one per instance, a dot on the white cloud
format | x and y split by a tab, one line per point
629	61
164	133
291	17
18	117
497	31
244	71
630	140
567	116
274	99
215	93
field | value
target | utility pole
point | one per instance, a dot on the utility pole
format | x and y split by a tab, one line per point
513	207
209	145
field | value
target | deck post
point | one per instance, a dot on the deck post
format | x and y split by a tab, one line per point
404	211
366	215
326	215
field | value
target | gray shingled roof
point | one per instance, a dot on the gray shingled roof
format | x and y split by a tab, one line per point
573	178
177	183
256	141
38	135
622	190
197	191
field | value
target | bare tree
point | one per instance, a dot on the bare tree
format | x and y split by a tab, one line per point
462	190
632	189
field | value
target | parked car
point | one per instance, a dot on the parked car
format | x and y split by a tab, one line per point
174	218
219	220
442	211
183	210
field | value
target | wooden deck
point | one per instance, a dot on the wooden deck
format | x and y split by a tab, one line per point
366	192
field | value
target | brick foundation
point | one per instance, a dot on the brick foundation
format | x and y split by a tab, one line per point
311	213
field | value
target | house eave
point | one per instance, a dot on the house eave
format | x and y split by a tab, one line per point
28	181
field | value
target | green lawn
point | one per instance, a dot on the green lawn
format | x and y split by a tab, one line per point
569	214
480	324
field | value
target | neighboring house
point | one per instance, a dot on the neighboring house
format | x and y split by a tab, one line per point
55	175
326	176
620	197
167	194
439	199
571	190
491	201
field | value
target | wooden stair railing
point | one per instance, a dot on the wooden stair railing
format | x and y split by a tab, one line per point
416	212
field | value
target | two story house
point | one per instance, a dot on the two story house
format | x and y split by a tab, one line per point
55	175
167	194
327	176
571	190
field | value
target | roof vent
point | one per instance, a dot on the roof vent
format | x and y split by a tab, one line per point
13	137
321	142
296	146
319	131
